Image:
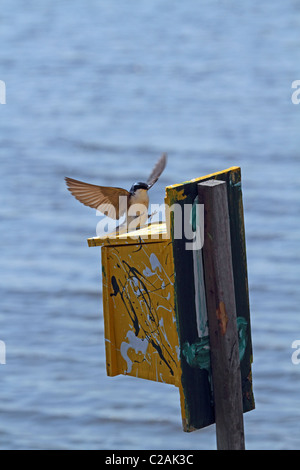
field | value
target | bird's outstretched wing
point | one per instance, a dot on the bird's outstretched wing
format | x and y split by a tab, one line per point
105	199
157	170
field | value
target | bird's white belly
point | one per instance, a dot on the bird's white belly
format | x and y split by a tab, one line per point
138	210
140	197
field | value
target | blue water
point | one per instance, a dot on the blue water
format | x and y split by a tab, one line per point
96	91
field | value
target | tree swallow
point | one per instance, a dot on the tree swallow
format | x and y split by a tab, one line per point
115	202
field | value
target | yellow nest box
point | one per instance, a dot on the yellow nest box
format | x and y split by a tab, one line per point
138	304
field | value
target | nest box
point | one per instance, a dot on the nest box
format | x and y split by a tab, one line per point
154	304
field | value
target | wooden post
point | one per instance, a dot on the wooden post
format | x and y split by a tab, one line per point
221	311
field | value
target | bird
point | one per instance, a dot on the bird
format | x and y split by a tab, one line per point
115	202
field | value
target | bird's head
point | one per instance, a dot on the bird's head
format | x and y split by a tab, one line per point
137	186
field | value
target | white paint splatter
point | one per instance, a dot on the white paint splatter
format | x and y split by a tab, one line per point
163	330
178	352
165	308
154	262
147	272
135	343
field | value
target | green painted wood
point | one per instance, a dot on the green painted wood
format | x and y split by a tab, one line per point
196	381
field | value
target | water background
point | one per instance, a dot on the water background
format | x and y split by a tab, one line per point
96	90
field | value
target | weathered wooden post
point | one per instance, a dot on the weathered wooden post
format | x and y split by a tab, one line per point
191	312
222	318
